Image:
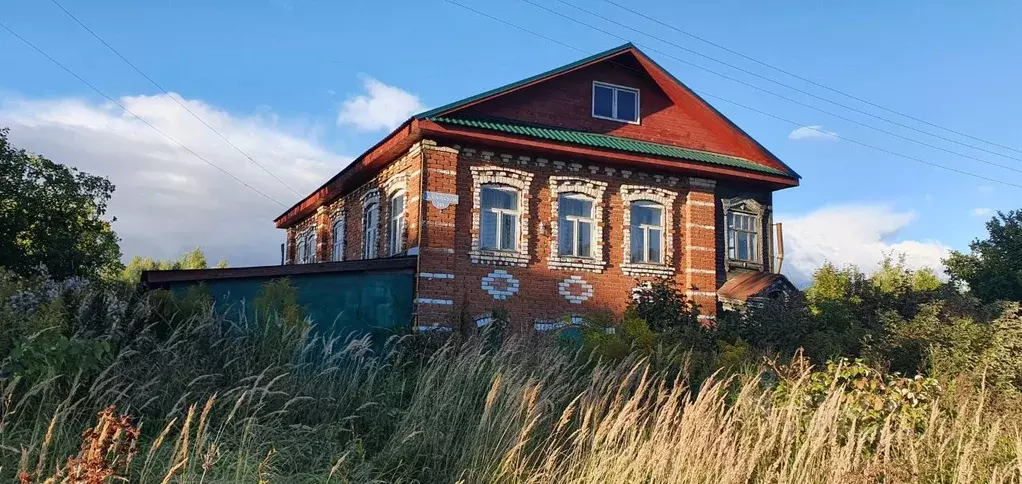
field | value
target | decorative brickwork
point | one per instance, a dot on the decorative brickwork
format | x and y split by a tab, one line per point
500	284
594	190
575	289
518	179
664	198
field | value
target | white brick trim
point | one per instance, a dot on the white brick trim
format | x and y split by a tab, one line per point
518	179
434	328
436	302
595	191
436	275
441	200
664	197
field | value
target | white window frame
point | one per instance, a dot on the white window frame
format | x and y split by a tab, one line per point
594	191
501	212
305	246
753	241
574	220
371	233
337	234
396	224
615	88
645	228
519	180
665	199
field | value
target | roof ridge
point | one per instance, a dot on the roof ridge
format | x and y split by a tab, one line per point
527	80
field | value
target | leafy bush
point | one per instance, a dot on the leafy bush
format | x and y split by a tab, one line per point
870	398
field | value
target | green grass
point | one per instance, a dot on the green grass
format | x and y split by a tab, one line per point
232	400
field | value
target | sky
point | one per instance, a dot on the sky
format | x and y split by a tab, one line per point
303	87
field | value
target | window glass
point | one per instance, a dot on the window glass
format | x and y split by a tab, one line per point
616	102
603	101
574	225
627	106
742	237
585	232
508	231
654	246
646	232
396	229
498	218
371	229
338	238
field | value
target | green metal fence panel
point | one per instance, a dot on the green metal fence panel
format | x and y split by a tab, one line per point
337	302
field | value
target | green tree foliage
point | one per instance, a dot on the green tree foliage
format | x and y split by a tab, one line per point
51	216
993	267
194	259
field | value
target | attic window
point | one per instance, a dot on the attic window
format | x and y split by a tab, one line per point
617	103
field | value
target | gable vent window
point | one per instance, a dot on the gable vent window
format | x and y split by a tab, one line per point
618	103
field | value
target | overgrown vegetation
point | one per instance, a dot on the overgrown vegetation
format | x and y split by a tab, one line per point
891	377
172	388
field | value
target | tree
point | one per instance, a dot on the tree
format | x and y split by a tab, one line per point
51	216
993	268
194	259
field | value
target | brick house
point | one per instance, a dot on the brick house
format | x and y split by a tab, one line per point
554	196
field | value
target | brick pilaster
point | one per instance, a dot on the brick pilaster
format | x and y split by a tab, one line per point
436	287
700	260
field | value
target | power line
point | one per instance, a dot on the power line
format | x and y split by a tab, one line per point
845	138
781	96
768	79
804	79
171	96
125	109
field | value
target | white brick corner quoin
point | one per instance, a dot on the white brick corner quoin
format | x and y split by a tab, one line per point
594	190
519	180
635	193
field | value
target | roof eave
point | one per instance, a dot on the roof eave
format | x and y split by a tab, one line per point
321	195
430	128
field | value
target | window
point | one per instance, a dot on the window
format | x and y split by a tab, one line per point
500	212
499	218
742	236
396	224
647	232
371	229
305	246
618	103
574	225
338	237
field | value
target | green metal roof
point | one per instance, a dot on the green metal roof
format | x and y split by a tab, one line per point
508	87
596	140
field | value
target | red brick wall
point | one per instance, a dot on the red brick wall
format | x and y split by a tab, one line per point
566	101
446	248
351	207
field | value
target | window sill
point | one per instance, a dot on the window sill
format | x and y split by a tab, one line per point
742	264
576	263
499	258
640	269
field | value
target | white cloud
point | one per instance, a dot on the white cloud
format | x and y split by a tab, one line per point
167	201
381	107
812	132
982	212
852	234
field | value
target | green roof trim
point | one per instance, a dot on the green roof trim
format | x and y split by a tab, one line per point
596	140
527	80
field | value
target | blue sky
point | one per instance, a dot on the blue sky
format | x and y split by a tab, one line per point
278	76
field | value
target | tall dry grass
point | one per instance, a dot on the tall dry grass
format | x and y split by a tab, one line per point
346	411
